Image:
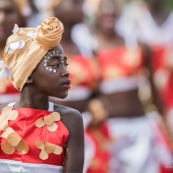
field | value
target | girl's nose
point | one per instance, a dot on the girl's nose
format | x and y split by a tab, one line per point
65	72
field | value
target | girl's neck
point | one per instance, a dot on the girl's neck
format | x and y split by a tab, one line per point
31	99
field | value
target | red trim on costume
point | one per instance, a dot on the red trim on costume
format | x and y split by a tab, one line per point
82	71
101	139
120	61
167	169
160	55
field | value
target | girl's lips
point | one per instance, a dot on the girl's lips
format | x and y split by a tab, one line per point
66	84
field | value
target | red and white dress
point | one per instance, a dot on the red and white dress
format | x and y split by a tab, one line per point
120	69
101	140
137	19
139	144
31	140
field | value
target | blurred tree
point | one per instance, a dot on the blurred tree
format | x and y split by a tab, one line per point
169	3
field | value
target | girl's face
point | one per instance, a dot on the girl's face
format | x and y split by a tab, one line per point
9	15
51	76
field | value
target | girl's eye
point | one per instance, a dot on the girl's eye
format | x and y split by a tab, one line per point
55	66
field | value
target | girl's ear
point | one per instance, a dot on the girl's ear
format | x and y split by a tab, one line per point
30	80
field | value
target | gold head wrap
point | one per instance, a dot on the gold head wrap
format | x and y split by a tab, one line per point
27	46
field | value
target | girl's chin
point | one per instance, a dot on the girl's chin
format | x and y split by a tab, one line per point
63	96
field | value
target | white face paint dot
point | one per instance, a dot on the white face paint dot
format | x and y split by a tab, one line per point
50	69
45	60
54	71
45	64
47	68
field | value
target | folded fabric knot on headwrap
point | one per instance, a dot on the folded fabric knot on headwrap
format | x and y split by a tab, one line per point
49	33
26	47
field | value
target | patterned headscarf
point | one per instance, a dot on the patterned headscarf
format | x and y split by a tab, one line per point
26	47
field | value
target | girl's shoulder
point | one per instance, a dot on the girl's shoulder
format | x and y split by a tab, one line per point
72	118
67	113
